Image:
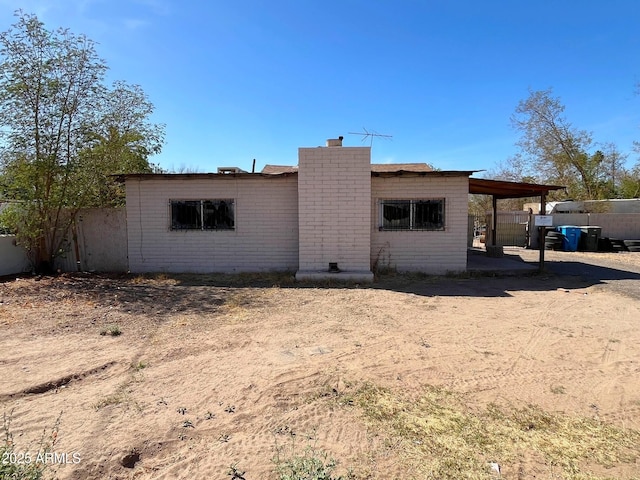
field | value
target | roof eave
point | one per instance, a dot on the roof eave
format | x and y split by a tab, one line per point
433	173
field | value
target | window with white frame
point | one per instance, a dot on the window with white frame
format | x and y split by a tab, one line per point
202	214
423	214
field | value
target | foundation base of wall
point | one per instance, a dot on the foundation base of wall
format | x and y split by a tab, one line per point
342	276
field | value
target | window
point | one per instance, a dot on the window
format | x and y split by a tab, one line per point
202	215
412	214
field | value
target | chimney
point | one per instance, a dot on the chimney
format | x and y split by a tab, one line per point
335	142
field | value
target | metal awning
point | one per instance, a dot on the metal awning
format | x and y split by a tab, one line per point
504	189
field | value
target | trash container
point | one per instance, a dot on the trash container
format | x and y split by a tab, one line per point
589	238
571	237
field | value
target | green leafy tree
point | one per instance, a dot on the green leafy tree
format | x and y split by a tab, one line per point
630	182
64	132
556	152
121	141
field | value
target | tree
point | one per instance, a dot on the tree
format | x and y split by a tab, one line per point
630	180
63	132
558	153
612	172
121	141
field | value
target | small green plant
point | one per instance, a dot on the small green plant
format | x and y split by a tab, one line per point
112	330
312	464
139	366
24	465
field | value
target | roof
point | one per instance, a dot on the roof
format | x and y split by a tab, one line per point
611	205
279	169
401	167
497	188
375	168
504	189
176	176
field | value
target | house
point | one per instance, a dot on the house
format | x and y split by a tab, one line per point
335	215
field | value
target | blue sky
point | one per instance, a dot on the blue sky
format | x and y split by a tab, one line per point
237	80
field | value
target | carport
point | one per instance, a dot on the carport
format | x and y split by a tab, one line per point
503	189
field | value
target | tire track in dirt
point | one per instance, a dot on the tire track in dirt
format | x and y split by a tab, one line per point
528	354
57	383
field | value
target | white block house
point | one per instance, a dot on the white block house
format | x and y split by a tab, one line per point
335	215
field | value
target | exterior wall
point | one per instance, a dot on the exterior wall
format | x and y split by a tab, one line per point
426	251
265	235
102	239
13	259
98	244
334	195
622	226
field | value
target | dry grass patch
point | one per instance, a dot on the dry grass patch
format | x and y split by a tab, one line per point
438	436
122	396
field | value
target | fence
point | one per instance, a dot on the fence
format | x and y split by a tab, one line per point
621	226
13	259
512	227
98	243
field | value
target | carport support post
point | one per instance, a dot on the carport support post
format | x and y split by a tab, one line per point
494	219
543	211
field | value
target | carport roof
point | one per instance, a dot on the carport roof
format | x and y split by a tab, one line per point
504	189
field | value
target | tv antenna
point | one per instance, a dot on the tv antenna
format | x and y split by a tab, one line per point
370	134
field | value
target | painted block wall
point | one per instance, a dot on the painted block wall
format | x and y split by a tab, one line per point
102	238
434	252
13	259
621	226
334	195
265	236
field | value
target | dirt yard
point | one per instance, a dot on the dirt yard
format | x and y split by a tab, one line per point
210	371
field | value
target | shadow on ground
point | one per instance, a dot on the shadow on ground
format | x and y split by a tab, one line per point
591	272
163	294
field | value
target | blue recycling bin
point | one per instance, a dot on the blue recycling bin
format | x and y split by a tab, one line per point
571	237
